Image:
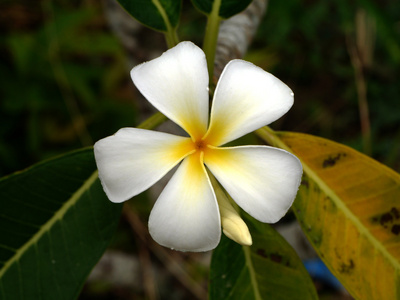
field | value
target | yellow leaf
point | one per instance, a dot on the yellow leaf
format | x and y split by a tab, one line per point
349	207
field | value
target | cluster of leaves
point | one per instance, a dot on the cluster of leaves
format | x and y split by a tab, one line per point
55	221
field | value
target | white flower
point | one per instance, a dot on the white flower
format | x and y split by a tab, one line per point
262	180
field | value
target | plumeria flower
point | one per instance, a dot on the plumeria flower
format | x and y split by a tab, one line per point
262	180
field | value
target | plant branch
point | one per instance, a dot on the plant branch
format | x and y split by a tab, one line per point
236	33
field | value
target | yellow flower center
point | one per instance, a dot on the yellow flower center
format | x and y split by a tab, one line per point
200	145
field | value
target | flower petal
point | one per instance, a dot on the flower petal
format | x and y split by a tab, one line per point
185	217
262	180
246	98
176	83
132	160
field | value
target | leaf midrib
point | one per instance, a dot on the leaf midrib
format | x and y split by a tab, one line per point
163	14
49	224
252	272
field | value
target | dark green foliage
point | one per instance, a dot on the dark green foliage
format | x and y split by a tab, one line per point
149	14
55	224
227	9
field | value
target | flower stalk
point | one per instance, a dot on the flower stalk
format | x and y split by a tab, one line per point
171	37
211	37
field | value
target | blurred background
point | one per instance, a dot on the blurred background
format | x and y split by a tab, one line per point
65	84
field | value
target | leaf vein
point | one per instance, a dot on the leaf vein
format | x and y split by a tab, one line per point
45	228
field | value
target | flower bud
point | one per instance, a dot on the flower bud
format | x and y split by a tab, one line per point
232	224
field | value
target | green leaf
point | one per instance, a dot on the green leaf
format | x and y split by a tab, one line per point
348	205
269	269
55	223
162	15
227	8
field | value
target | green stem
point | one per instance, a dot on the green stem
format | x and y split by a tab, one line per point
171	38
211	37
152	121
